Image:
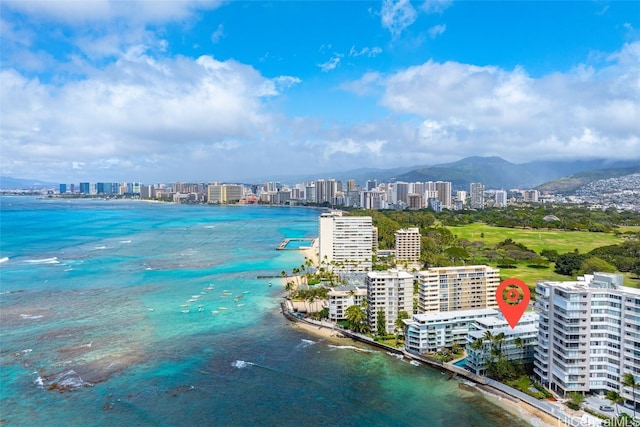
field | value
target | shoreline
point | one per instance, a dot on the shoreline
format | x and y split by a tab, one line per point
532	415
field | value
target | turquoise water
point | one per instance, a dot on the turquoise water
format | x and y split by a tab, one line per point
141	314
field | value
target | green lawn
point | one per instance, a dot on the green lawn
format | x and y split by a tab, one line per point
562	241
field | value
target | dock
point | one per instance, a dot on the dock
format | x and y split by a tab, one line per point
283	245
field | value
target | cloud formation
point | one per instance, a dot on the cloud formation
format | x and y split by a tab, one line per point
396	15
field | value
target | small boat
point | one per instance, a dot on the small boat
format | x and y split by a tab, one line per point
214	312
201	308
246	292
415	363
239	305
184	305
270	283
150	309
185	311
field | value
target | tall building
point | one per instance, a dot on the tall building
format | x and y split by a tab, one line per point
224	193
408	244
351	185
342	297
588	335
477	195
444	193
458	288
389	291
320	189
531	195
345	242
84	188
63	188
415	201
372	184
401	192
501	199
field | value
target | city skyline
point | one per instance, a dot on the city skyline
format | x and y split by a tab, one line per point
149	91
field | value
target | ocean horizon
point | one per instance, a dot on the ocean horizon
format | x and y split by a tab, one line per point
152	314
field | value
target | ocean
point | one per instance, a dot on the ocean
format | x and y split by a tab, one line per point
131	313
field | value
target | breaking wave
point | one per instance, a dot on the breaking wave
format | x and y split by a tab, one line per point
241	364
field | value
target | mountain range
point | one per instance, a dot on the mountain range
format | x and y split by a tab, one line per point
493	172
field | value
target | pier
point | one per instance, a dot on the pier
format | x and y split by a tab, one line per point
283	245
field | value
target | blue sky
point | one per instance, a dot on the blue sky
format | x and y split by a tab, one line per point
201	91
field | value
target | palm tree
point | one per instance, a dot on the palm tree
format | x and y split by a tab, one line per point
518	343
357	319
628	380
615	398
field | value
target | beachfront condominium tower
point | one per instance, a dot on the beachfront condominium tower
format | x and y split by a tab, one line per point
457	288
388	292
477	195
408	244
345	242
588	335
224	193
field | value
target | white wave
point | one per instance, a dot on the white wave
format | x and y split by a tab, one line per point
31	317
209	226
351	347
70	379
397	356
305	343
241	364
68	269
53	260
87	345
125	241
23	352
39	382
100	247
4	259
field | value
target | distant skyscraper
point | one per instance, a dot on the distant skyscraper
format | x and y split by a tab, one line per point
84	188
501	199
531	195
401	192
477	195
372	184
63	188
351	185
444	193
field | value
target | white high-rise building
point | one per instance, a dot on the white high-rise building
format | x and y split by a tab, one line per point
408	244
345	242
589	335
388	291
458	288
477	195
501	199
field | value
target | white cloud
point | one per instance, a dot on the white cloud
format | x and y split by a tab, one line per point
436	6
134	109
585	112
95	11
397	15
437	30
370	52
218	34
332	63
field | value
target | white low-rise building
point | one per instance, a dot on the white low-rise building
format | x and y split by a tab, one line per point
341	298
431	332
518	344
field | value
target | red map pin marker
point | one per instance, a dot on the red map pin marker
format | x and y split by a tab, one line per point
513	298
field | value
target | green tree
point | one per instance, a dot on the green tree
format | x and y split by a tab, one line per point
593	264
628	380
550	254
357	319
615	398
381	323
575	400
569	264
400	325
517	341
